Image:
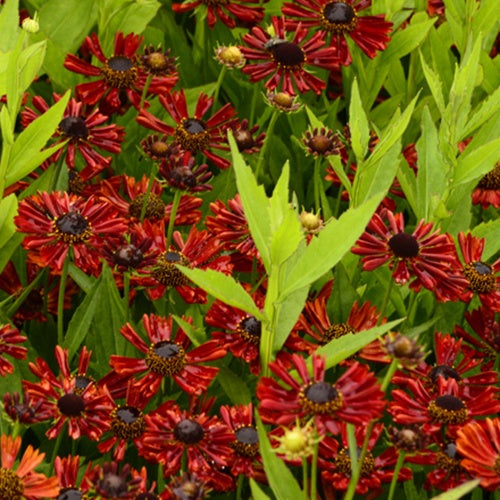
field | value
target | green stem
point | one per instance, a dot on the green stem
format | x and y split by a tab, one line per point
399	464
314	470
317	184
386	301
60	301
305	478
239	487
126	292
22	297
218	85
388	376
173	213
57	445
145	91
269	134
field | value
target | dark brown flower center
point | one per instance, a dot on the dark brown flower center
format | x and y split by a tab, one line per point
250	330
448	409
244	140
320	398
166	358
320	144
342	463
127	422
70	494
72	227
74	127
155	208
338	17
158	63
491	181
188	431
443	371
128	256
192	135
76	184
336	331
120	72
247	442
165	271
113	485
71	405
481	277
11	486
287	54
183	177
404	245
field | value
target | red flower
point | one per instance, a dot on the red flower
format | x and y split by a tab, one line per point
229	12
9	338
121	77
84	132
181	172
447	405
75	400
425	255
21	481
57	222
108	481
167	355
67	471
487	191
200	250
355	397
376	469
26	411
244	137
172	433
479	444
484	279
285	62
193	133
336	20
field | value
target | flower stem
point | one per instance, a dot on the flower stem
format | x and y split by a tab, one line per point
397	468
57	445
269	133
317	184
126	292
314	470
60	301
23	295
386	301
145	91
218	85
239	487
305	478
388	376
173	213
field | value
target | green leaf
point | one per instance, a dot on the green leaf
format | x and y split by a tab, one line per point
235	388
339	349
257	493
29	64
81	320
286	238
26	152
435	84
459	491
489	107
255	204
358	124
281	480
84	281
9	25
224	288
478	162
337	166
324	251
7	249
8	210
490	231
196	335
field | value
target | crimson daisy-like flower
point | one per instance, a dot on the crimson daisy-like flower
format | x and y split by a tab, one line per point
335	20
9	340
24	410
483	279
284	61
57	223
112	480
244	137
246	443
199	250
121	78
67	470
487	191
84	131
172	433
181	172
168	354
355	397
447	405
230	12
425	256
72	399
20	480
193	133
479	444
376	469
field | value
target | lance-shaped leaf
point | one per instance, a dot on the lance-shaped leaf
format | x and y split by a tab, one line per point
358	124
224	288
478	162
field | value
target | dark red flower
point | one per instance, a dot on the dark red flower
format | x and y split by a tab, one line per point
112	481
230	12
355	397
244	137
487	191
435	7
172	433
72	486
19	479
335	20
376	469
9	340
193	133
168	354
72	399
425	256
484	279
121	79
84	131
285	62
56	223
26	411
181	172
479	444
